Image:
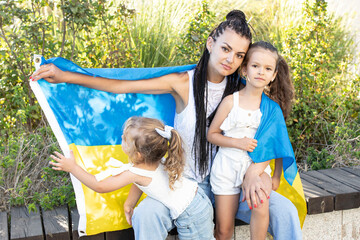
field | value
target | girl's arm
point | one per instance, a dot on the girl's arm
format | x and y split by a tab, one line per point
277	173
107	185
215	135
129	205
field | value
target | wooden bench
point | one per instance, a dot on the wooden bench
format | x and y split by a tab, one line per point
332	195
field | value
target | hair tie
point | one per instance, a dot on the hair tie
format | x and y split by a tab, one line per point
166	133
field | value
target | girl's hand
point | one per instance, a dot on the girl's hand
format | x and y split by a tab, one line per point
275	182
50	73
247	144
62	163
129	211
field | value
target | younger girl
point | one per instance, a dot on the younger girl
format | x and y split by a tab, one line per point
233	129
146	141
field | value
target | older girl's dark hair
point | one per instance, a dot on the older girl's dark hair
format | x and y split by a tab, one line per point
236	21
281	90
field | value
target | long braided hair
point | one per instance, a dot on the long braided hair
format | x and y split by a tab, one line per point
236	21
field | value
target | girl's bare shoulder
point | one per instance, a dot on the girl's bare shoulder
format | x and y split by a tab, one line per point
228	100
227	103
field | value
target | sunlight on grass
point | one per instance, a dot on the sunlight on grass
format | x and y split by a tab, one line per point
158	24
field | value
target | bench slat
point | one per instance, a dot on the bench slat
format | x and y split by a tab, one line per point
127	234
25	225
56	224
343	176
355	171
318	200
3	226
345	196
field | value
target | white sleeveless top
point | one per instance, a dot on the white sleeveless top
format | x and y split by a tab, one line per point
239	123
176	200
185	122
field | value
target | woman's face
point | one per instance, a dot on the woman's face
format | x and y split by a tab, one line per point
226	53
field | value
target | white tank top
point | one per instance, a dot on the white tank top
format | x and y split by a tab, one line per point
185	122
176	200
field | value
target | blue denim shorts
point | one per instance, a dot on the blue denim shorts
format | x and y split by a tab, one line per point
196	222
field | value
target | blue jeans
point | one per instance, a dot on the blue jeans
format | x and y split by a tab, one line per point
151	219
196	222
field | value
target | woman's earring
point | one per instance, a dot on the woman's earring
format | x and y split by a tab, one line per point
247	79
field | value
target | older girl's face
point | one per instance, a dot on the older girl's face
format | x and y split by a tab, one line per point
261	68
226	53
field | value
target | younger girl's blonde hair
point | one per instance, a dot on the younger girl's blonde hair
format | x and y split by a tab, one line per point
141	137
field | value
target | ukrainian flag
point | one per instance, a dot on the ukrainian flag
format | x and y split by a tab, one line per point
89	122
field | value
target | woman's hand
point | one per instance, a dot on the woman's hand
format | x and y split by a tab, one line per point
62	163
50	73
254	191
247	144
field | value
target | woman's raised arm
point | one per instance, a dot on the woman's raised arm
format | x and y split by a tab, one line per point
159	85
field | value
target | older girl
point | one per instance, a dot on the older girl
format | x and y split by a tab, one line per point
233	129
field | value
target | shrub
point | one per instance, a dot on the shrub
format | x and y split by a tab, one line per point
199	27
327	104
26	178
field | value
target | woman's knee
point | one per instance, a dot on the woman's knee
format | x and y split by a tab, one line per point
281	207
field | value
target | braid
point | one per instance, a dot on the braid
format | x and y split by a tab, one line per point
236	21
